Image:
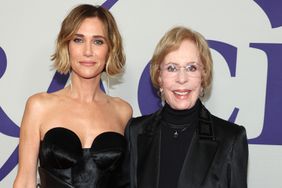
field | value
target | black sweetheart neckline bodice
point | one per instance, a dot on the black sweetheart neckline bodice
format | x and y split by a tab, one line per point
62	130
61	154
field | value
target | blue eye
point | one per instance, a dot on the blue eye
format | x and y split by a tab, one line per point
98	42
77	40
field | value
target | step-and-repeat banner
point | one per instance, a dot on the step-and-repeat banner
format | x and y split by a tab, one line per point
245	38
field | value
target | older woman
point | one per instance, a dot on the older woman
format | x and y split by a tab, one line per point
77	132
182	144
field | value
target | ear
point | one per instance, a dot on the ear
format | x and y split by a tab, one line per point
160	80
202	92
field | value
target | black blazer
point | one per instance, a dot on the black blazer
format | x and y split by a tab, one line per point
216	158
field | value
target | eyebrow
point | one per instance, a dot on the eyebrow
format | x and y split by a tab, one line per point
94	36
187	63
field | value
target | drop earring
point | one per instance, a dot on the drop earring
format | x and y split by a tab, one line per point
161	94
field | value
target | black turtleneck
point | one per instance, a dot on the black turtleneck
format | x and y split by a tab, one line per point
177	128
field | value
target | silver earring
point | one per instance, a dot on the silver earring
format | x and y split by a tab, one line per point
160	92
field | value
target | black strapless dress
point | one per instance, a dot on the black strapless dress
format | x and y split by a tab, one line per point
65	164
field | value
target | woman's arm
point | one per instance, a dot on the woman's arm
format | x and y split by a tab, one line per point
29	144
121	177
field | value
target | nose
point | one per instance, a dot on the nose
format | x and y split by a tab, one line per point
88	49
182	76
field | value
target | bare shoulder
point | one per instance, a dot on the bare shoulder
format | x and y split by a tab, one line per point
36	109
32	117
122	107
122	104
40	101
35	101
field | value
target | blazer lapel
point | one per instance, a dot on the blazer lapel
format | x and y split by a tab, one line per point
200	154
149	154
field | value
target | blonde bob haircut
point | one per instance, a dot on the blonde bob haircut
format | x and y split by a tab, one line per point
70	25
170	42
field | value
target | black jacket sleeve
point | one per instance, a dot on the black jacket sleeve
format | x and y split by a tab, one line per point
239	161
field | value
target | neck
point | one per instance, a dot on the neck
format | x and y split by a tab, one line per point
181	117
85	90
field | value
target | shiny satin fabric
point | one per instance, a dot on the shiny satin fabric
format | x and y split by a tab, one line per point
49	180
64	163
216	158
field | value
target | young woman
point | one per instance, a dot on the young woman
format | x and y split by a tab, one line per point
77	132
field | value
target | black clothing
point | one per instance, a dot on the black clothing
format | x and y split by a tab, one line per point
64	163
177	127
216	158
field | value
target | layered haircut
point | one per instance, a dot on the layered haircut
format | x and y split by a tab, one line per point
170	42
70	25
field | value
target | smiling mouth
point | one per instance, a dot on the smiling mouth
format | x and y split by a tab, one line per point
87	63
181	93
